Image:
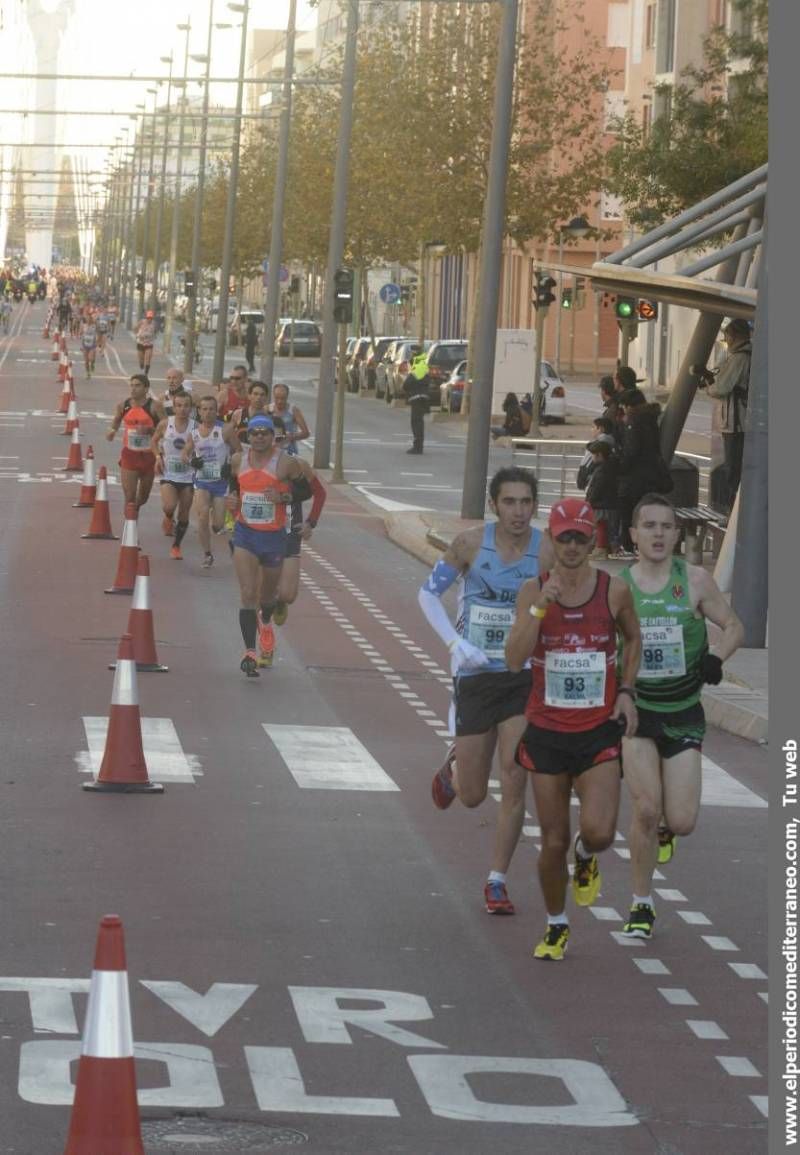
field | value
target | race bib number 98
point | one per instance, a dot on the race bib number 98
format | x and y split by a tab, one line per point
489	627
663	655
576	681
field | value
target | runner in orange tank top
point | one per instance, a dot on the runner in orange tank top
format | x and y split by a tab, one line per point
139	415
567	621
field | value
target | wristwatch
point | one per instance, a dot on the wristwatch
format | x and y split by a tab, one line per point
629	690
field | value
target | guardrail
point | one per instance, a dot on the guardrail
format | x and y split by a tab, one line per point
556	463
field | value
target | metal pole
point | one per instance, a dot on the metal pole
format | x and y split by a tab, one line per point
146	238
127	196
113	224
104	246
572	324
230	217
541	317
278	202
176	204
477	457
322	441
191	309
135	223
558	299
421	295
750	596
162	190
337	477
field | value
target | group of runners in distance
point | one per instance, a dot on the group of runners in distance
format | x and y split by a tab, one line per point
570	675
227	453
565	674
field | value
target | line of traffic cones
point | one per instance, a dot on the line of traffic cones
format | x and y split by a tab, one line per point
128	553
100	525
75	458
141	625
72	415
88	485
105	1112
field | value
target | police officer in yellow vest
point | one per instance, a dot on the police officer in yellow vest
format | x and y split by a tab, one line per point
415	388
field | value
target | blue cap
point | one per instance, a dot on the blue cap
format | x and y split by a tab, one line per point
260	422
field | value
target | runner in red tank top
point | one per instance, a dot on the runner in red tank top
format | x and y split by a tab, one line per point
568	621
138	415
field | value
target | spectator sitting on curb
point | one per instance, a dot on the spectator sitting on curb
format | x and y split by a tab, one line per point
517	422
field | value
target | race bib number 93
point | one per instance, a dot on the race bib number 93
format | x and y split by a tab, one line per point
576	681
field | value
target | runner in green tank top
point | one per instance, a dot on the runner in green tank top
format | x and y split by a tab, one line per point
662	763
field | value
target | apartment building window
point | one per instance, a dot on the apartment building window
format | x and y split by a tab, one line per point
650	26
617	26
665	36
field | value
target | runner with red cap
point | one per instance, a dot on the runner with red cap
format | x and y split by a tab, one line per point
580	705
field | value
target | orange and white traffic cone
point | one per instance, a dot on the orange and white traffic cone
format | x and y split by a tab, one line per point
128	553
63	362
105	1112
100	525
89	485
123	769
54	352
72	416
66	396
75	459
140	623
70	380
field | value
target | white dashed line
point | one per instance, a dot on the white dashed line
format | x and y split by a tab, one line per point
651	966
694	917
718	942
761	1103
747	970
677	996
738	1066
671	895
706	1029
606	913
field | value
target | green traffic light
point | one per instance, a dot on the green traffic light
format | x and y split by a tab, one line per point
625	308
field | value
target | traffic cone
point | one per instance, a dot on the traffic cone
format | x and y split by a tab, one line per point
63	362
100	525
128	554
123	769
75	459
140	624
54	353
72	415
70	380
66	396
46	332
105	1112
89	486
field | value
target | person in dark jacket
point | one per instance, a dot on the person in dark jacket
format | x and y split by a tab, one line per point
611	406
416	389
601	493
250	343
517	422
641	467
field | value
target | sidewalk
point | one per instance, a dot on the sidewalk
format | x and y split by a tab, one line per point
738	705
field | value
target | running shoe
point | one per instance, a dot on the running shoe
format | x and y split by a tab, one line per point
207	561
666	844
175	553
229	522
266	642
442	789
168	526
497	900
554	944
586	878
640	921
249	664
280	613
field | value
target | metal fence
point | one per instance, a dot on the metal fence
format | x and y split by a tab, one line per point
556	463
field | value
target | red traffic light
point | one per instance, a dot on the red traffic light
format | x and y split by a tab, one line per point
647	310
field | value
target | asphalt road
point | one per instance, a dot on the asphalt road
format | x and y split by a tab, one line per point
307	948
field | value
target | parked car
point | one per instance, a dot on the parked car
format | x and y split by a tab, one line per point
369	366
404	354
212	316
554	397
357	355
452	391
306	336
443	356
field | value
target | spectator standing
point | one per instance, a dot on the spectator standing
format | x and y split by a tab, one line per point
250	344
601	493
729	389
641	467
416	388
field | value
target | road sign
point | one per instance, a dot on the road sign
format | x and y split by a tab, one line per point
390	294
284	273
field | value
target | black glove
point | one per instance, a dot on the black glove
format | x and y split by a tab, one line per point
197	462
711	669
704	375
225	471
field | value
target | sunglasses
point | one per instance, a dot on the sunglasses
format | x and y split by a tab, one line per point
260	432
573	535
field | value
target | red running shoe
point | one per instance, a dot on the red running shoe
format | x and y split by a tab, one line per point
442	789
497	900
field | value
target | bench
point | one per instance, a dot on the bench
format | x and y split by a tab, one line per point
695	521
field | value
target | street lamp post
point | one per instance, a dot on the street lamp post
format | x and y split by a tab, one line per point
146	238
279	200
176	198
131	264
161	194
230	209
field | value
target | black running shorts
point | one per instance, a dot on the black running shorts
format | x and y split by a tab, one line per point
483	701
560	752
675	732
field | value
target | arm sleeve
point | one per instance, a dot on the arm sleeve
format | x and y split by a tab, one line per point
440	579
319	493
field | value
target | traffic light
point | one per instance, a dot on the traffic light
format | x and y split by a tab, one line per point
625	309
189	282
566	298
543	291
647	310
343	296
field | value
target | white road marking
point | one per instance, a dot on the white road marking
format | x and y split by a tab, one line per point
706	1029
390	506
606	914
677	996
738	1066
718	942
671	895
694	917
761	1103
761	994
328	758
721	789
747	970
163	753
651	966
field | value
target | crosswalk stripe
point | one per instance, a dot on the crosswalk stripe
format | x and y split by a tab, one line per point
721	789
163	753
328	758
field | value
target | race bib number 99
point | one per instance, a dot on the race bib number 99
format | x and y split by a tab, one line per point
576	681
663	655
489	627
256	510
177	465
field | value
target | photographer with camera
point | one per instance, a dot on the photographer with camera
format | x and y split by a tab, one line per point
729	386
